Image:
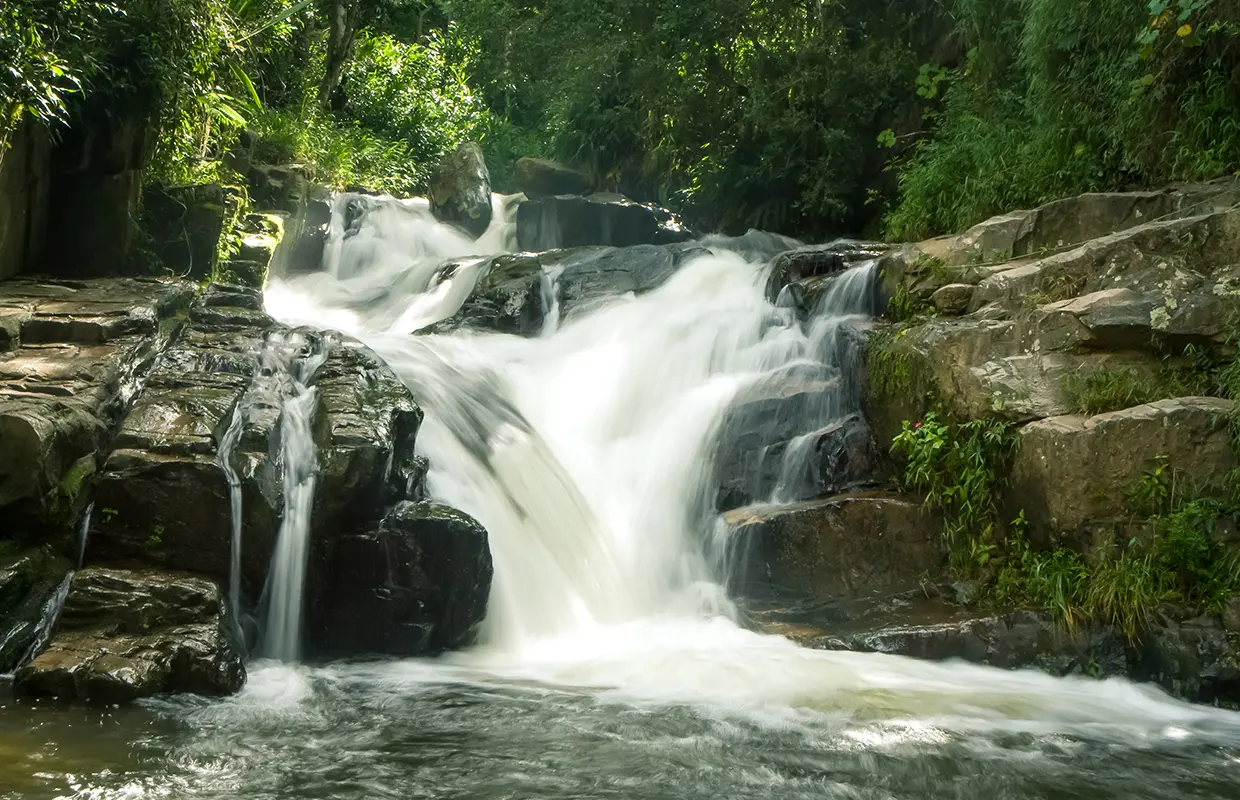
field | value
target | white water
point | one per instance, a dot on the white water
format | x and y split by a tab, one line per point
585	453
84	533
227	446
295	358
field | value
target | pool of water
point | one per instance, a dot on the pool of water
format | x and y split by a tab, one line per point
792	724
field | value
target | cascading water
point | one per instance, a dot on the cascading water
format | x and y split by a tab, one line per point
228	446
587	453
294	357
84	533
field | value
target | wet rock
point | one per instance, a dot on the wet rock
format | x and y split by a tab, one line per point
28	582
954	298
818	262
515	293
1195	658
367	426
128	634
460	190
305	236
509	297
77	350
538	178
599	219
1072	471
162	495
848	546
417	585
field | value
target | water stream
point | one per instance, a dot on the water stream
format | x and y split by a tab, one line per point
611	664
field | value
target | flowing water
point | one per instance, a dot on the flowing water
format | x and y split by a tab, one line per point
611	664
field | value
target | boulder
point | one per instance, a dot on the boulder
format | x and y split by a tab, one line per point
954	298
305	236
128	634
417	585
845	547
1073	475
818	262
510	296
29	582
460	190
162	495
538	178
284	187
599	219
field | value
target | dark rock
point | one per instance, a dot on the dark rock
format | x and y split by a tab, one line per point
844	547
460	190
78	349
600	219
508	297
286	187
185	224
417	585
125	635
24	188
818	262
538	178
305	235
28	582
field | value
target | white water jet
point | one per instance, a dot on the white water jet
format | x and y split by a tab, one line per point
84	533
586	453
296	358
227	446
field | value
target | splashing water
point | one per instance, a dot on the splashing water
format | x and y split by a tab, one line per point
587	455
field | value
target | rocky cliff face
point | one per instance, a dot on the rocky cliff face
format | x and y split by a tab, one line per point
1096	331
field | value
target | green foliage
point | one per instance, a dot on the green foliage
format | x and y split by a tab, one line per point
959	467
1178	561
1059	97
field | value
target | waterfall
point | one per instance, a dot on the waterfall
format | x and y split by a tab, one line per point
585	452
47	620
294	358
84	533
227	446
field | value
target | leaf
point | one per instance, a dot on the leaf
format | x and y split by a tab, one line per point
1184	31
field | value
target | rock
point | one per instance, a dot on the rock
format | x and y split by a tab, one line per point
128	634
1231	615
975	367
77	350
285	187
515	293
845	547
600	219
162	495
305	236
538	178
260	237
1195	658
818	262
954	298
417	585
28	582
1074	472
460	190
185	225
24	188
510	296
